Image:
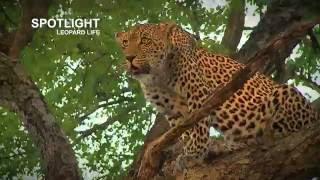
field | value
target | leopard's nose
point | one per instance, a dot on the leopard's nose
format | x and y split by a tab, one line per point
130	58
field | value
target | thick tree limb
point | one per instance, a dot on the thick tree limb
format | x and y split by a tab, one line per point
277	56
19	94
279	16
295	157
235	25
30	9
160	126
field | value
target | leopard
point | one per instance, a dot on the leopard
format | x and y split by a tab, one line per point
177	75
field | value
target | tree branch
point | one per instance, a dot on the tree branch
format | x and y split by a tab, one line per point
295	157
279	16
19	94
248	28
103	105
160	126
106	124
30	9
235	26
314	41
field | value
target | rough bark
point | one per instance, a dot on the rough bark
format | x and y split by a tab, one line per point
160	127
279	16
298	26
295	157
18	93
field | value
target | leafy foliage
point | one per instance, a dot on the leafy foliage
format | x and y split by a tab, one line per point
16	149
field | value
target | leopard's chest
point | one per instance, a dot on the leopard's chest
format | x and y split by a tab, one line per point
165	100
158	100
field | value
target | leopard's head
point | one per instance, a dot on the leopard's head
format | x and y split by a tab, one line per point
149	47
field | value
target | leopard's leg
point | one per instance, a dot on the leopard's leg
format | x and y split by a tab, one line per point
294	111
226	146
172	105
167	102
229	143
195	146
197	143
174	121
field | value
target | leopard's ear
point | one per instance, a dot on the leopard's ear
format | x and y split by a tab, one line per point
175	33
119	36
167	28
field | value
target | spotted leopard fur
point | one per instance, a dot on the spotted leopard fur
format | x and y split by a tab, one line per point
177	76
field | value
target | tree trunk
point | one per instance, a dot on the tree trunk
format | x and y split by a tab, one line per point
19	94
235	25
280	15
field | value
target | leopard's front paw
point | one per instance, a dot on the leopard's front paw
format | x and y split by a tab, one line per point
187	161
180	163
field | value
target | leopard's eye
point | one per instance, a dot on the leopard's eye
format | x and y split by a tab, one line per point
145	40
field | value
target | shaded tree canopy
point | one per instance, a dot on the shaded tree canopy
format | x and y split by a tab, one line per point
96	111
